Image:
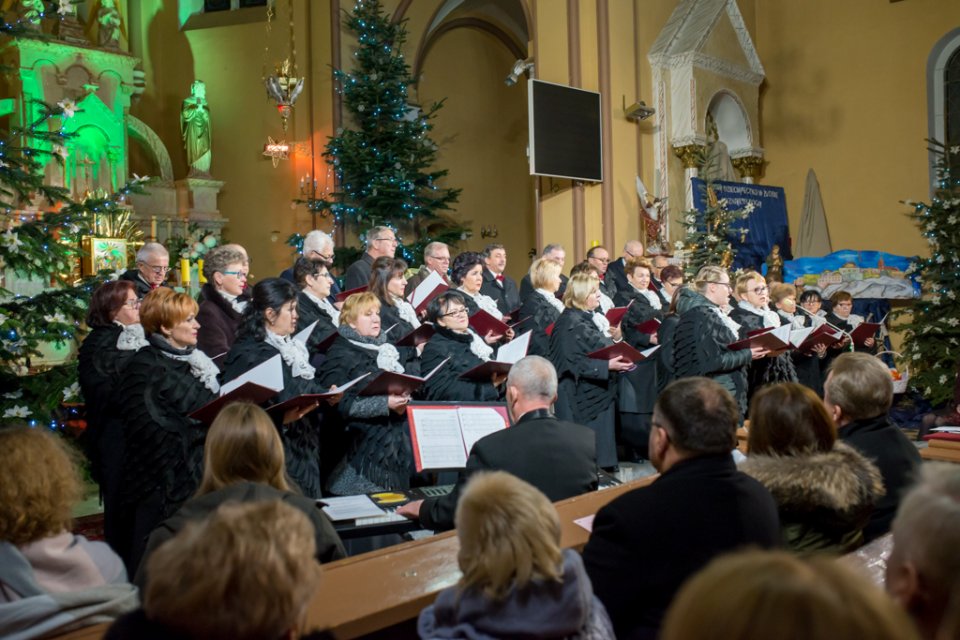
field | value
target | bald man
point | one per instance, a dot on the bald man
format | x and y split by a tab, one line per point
615	272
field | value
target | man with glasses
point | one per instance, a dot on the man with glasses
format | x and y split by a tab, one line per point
497	284
436	257
317	247
153	264
554	253
615	270
381	242
599	257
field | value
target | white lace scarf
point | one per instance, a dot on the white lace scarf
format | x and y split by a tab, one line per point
486	303
479	347
853	320
201	366
388	358
131	337
652	298
601	323
770	318
552	299
294	353
605	302
324	304
796	321
727	321
407	312
238	305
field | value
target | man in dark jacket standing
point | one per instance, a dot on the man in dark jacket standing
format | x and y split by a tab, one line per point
858	394
558	458
647	542
381	241
496	283
153	264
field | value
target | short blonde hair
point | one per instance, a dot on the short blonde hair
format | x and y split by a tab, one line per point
860	384
544	272
39	485
775	594
243	445
246	572
579	288
631	264
509	535
165	308
357	305
781	291
743	280
708	274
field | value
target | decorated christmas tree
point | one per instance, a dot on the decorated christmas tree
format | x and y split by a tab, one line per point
384	161
932	324
710	231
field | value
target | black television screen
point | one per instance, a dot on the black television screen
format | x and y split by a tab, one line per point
564	132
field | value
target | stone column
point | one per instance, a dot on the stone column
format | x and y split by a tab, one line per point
749	168
690	155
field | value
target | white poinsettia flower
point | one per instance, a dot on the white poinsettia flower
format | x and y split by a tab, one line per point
678	245
72	392
750	207
138	179
17	412
935	299
952	294
66	8
13	395
712	238
955	148
56	318
953	322
11	240
69	107
3	165
60	150
942	379
116	274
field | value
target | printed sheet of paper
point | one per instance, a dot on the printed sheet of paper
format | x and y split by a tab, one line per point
477	422
515	349
266	374
586	522
304	335
350	507
425	288
438	440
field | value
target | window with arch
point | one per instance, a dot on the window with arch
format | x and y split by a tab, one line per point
943	96
951	107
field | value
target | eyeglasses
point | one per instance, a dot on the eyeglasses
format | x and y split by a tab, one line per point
456	312
133	304
760	290
323	257
724	284
674	284
239	275
390	240
155	269
323	274
439	259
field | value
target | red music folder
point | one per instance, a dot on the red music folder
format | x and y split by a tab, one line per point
247	392
624	350
482	322
343	295
864	331
417	337
615	315
651	326
431	286
396	384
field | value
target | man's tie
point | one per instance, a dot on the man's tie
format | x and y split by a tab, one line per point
500	278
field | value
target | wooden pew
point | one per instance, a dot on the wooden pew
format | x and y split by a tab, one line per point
942	450
374	591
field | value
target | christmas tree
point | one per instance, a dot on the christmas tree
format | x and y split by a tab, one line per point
384	164
40	245
709	228
932	323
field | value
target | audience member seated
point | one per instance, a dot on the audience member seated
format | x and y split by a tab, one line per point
825	490
115	336
454	339
397	316
542	308
858	394
51	581
517	581
381	242
759	595
153	264
553	252
646	543
558	458
247	572
379	453
497	284
224	301
923	570
243	462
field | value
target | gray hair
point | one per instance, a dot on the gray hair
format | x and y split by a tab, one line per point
375	233
218	259
316	240
534	376
151	249
550	248
430	251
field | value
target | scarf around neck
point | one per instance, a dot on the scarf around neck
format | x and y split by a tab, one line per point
484	302
201	366
294	353
406	312
325	306
388	358
769	317
131	337
552	299
729	322
235	302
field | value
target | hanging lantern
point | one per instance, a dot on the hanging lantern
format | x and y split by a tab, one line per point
284	89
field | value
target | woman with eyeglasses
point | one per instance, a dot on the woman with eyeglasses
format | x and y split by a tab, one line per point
379	454
163	447
223	303
753	313
783	297
703	335
542	307
587	390
315	282
115	336
397	316
455	339
841	315
266	330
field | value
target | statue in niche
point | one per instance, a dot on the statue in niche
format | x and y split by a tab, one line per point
718	165
195	128
108	20
775	265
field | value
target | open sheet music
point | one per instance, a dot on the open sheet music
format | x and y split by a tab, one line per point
431	286
443	434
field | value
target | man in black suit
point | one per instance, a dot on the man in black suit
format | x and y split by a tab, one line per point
496	283
381	241
153	264
615	270
436	257
558	458
553	252
647	542
317	247
858	394
599	257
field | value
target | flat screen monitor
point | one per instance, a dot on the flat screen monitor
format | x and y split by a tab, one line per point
564	132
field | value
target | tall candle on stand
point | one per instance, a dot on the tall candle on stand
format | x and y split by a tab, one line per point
184	271
153	228
200	278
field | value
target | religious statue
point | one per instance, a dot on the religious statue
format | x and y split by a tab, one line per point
195	128
108	20
775	265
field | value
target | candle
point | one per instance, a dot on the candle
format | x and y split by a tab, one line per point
200	277
153	227
184	271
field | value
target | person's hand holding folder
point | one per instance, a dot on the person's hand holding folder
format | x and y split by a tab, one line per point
619	364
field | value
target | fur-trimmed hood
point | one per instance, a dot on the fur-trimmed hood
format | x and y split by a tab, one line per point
836	490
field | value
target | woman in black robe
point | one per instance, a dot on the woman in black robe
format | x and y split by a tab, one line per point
163	447
454	339
266	331
638	388
115	336
783	297
587	391
541	308
397	316
379	455
467	273
223	301
314	281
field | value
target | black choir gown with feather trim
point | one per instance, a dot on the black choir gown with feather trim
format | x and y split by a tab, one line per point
638	388
446	385
538	314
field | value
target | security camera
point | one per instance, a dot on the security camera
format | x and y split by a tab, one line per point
520	67
638	111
